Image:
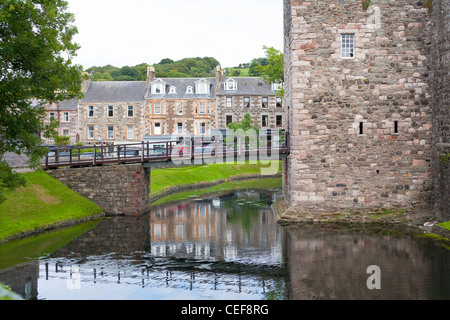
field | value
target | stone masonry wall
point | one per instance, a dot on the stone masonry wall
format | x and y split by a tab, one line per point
120	121
117	189
360	127
237	111
440	82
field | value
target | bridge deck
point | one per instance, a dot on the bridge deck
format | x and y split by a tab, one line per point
175	151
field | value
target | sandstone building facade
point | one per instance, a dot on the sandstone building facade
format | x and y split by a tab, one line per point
359	104
238	96
128	111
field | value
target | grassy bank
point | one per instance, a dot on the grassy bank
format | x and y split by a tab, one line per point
44	202
223	187
163	180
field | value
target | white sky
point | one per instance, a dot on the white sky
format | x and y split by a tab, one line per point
130	32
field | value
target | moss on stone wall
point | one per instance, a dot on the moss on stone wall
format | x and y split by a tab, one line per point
429	5
365	4
444	158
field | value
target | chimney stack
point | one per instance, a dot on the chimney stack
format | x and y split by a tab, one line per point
219	75
150	74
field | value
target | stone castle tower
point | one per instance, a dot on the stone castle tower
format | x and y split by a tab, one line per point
359	104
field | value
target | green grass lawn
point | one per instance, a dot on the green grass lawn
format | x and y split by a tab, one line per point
43	202
226	186
445	225
163	179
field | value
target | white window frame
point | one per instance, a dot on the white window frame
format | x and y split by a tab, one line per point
200	126
230	85
347	46
246	102
65	117
179	108
130	132
90	110
202	107
229	102
266	100
51	115
279	100
157	109
130	108
189	90
158	88
276	86
172	90
90	133
179	128
157	127
110	133
202	87
66	131
110	108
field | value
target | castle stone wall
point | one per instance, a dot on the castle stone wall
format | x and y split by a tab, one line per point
360	127
440	83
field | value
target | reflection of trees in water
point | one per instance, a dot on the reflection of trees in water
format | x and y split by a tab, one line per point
244	210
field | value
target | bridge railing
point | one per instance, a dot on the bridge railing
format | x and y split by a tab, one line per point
180	147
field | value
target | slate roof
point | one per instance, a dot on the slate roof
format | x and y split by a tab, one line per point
115	91
68	104
181	85
247	86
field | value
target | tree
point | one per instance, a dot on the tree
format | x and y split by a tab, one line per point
62	140
245	124
252	71
273	71
36	49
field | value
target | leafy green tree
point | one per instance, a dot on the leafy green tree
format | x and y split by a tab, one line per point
245	124
36	51
273	71
252	71
62	140
166	60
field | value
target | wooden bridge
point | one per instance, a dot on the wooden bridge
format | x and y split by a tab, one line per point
177	150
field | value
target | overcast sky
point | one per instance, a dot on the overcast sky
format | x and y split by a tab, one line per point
130	32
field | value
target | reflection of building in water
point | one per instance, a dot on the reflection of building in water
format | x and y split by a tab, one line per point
224	228
185	229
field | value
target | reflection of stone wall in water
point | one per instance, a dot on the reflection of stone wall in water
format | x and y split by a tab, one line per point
22	279
330	264
113	235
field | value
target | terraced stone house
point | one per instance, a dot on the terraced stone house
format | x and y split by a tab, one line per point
128	111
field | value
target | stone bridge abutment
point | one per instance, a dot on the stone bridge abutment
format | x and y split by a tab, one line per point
118	189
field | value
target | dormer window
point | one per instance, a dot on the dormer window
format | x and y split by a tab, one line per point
172	90
230	84
202	87
159	87
189	90
277	86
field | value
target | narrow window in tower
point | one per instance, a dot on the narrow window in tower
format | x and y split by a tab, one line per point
361	128
348	46
395	126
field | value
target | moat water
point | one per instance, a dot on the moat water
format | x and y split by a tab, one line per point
228	247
